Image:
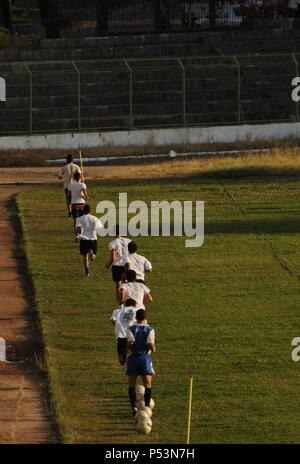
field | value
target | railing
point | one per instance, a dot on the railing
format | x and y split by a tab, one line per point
138	93
80	19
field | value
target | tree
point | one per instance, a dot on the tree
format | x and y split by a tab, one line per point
5	15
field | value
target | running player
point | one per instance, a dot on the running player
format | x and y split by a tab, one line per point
141	343
67	173
137	263
118	251
87	228
122	318
79	195
136	290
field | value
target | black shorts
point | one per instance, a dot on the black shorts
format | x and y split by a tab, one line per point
87	245
140	281
122	346
117	273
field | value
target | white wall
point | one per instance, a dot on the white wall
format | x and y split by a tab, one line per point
155	137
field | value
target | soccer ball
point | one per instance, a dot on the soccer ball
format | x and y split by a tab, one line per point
141	414
144	425
139	391
147	410
140	404
152	404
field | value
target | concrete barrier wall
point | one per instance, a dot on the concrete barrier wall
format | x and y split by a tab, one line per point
154	137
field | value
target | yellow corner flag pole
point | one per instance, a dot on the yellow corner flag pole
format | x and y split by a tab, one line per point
190	411
81	166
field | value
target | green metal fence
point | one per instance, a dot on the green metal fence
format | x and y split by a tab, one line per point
48	97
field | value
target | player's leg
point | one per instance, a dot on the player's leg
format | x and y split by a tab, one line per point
147	382
86	265
93	250
147	373
84	251
117	276
68	201
122	350
132	376
131	392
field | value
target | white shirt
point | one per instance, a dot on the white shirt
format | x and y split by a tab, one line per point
124	318
150	338
137	291
139	264
76	189
90	226
120	245
67	172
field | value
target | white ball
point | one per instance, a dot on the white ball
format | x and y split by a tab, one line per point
141	414
147	410
146	420
139	391
140	404
172	154
144	426
152	404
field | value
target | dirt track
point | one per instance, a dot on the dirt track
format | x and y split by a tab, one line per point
24	415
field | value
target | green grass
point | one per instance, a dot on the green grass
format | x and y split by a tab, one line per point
225	312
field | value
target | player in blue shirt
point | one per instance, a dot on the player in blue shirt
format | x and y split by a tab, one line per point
141	343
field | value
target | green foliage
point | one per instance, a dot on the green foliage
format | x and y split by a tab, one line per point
18	41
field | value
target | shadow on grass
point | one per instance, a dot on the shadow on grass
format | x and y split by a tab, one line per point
264	175
32	352
270	226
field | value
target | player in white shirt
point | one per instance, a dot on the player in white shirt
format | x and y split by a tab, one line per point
118	251
137	263
67	174
136	290
87	228
122	318
79	195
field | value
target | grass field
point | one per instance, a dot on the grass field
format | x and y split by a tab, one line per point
225	312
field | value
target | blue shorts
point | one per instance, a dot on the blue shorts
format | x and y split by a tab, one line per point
139	365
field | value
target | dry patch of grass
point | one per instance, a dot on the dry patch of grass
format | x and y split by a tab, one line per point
277	162
31	158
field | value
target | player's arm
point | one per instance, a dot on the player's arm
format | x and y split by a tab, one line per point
151	341
85	194
111	260
122	295
99	227
113	317
130	340
147	298
61	174
148	266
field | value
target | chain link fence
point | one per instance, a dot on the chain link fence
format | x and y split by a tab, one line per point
147	93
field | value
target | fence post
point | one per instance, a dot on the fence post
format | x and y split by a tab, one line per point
130	93
238	88
30	96
183	90
78	93
297	75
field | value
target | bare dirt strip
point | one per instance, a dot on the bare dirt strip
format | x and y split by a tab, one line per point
24	414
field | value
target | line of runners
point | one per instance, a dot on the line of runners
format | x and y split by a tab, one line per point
135	338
